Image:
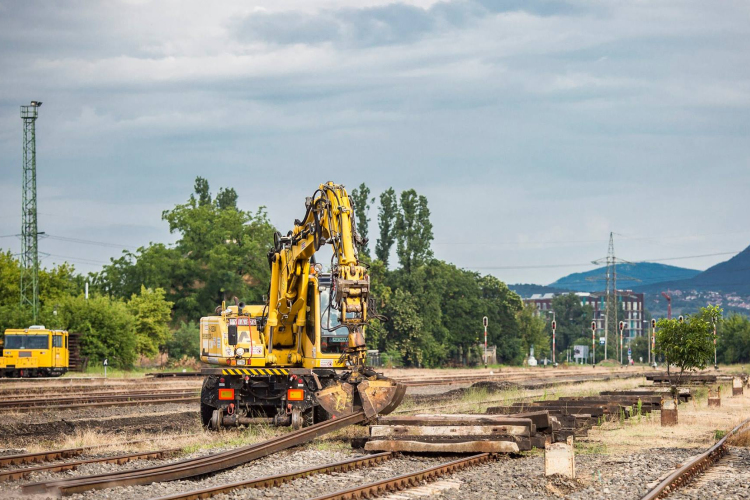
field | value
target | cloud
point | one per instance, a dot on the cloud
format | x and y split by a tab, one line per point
519	120
395	23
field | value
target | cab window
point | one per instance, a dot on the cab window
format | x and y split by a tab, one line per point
334	336
57	341
26	342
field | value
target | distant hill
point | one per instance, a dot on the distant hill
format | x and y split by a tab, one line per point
526	290
645	273
731	276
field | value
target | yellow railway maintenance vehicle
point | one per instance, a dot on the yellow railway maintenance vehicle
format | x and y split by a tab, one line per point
34	352
298	358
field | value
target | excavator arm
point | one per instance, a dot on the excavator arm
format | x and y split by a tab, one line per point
329	219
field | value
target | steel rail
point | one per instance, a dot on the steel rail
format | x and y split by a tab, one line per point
278	479
131	402
74	395
10	475
46	456
195	466
377	488
685	474
46	401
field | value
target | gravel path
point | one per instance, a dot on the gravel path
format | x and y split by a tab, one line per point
599	477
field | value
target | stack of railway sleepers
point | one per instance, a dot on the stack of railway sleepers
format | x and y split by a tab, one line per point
689	379
684	394
576	415
460	433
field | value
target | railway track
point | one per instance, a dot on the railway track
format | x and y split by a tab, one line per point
195	466
14	474
689	471
403	481
278	479
88	401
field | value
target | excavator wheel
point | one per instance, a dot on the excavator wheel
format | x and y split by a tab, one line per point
206	414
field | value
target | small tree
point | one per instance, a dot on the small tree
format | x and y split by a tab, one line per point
689	344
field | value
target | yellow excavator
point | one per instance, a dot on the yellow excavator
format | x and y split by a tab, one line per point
300	357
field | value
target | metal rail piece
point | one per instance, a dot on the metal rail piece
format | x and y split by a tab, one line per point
685	474
10	475
195	466
278	479
405	480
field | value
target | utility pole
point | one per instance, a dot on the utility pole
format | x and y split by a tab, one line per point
29	228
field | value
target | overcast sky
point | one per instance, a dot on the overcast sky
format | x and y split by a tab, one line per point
534	128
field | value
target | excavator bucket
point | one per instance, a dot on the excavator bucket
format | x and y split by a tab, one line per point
337	400
380	396
377	397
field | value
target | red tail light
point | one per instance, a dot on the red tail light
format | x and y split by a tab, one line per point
295	395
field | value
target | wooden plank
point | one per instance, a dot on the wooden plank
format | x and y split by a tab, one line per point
456	419
540	419
459	447
449	430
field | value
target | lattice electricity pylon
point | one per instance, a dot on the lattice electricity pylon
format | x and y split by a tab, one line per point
610	314
29	229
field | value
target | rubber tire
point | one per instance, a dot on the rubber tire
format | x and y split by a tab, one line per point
308	418
206	414
320	415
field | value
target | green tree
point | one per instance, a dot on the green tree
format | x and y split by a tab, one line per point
733	345
573	319
533	331
106	327
413	231
151	313
185	341
226	199
54	285
203	191
407	325
386	224
362	202
220	253
688	345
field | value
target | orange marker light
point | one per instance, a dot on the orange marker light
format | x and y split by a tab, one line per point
226	394
295	394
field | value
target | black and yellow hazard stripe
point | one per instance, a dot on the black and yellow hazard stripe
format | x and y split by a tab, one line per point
254	371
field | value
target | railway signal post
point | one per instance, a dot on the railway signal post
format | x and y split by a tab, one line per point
593	343
622	327
554	327
716	364
652	344
484	322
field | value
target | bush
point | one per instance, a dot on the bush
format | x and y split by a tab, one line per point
106	327
185	342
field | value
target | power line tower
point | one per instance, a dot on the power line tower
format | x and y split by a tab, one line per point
610	314
29	229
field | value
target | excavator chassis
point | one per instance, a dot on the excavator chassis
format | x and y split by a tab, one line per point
294	397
